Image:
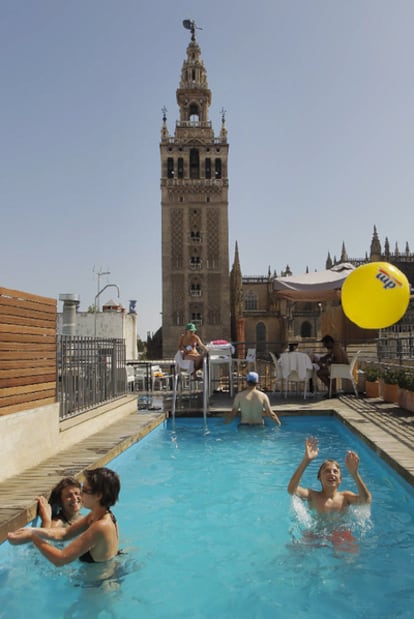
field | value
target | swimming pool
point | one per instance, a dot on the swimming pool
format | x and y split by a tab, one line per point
210	531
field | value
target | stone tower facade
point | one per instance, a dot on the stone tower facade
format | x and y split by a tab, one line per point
194	207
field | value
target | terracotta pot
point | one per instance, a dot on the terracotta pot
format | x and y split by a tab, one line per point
390	393
372	389
406	400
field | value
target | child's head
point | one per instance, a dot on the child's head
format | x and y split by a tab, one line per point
332	465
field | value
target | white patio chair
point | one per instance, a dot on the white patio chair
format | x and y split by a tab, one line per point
343	371
184	368
277	377
130	374
159	377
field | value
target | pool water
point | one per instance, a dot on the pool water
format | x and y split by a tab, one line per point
209	531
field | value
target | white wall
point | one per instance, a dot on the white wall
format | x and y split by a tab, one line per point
27	438
32	436
110	324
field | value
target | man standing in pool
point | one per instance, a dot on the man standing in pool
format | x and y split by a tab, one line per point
329	499
252	405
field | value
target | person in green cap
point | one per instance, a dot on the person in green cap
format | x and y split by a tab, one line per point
190	345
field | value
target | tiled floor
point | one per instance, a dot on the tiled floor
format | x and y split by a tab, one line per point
386	428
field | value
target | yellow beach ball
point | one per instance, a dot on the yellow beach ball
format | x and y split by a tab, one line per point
375	295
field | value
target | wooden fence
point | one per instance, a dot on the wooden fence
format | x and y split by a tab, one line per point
27	351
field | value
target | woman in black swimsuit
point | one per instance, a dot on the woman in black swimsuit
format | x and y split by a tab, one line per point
97	533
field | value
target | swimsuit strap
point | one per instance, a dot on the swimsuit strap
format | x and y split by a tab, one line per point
114	521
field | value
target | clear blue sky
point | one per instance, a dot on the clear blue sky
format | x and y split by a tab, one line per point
319	97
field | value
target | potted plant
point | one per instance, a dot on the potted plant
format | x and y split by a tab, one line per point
406	394
390	389
372	374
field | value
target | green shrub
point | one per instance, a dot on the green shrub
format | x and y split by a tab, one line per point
392	375
406	380
372	373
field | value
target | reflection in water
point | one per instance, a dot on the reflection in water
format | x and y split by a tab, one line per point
99	587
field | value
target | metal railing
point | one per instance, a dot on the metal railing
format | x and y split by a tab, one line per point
397	349
90	371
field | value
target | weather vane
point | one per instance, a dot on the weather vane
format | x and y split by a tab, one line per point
189	24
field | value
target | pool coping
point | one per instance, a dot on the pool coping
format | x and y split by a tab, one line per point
18	494
387	429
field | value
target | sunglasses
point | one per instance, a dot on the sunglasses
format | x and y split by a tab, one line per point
87	490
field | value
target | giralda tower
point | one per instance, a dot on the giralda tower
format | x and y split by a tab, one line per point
194	203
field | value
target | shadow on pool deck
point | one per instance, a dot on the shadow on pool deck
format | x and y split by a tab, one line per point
388	429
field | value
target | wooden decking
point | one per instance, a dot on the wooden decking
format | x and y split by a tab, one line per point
18	503
386	428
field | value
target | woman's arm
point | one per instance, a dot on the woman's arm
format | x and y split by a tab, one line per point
200	344
61	556
26	534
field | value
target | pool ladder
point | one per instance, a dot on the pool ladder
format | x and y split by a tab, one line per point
178	377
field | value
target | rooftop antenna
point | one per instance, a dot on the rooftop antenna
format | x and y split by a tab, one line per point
189	24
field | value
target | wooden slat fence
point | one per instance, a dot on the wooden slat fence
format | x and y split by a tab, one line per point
27	351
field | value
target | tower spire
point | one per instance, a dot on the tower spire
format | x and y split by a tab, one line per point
375	251
189	24
194	206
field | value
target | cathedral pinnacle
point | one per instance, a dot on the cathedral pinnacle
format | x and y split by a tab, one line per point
164	129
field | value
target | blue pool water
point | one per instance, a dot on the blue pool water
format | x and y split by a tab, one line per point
210	531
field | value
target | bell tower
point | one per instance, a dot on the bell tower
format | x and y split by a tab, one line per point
194	212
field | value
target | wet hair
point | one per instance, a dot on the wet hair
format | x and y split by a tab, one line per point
55	498
105	482
330	462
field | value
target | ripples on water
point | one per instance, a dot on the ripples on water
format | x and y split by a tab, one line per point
211	532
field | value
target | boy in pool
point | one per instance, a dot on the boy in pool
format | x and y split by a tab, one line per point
329	499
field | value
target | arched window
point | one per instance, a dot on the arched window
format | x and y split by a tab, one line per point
250	302
194	163
208	167
260	337
194	113
218	168
180	166
195	288
170	167
306	329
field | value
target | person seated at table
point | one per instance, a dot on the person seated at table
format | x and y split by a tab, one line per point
336	354
190	344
